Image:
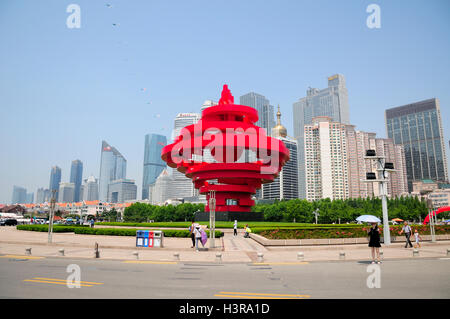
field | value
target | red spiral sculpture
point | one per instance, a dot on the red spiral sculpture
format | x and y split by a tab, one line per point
227	129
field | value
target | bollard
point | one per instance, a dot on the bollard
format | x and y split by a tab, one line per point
61	252
218	257
448	251
300	256
136	254
415	252
176	256
341	255
97	252
28	251
260	257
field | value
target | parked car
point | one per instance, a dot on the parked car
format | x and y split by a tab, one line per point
8	222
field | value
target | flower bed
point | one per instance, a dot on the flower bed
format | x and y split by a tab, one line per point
339	232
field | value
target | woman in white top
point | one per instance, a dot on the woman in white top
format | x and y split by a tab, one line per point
198	235
235	228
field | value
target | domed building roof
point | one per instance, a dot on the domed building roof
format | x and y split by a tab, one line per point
279	130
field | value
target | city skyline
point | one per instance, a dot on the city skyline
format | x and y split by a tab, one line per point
128	84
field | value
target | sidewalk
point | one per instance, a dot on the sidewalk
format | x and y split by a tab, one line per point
233	249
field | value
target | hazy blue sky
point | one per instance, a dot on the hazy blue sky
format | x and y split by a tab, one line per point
64	90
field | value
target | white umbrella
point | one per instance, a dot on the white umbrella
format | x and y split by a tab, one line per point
368	219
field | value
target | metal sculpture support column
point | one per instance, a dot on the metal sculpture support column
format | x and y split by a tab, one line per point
212	218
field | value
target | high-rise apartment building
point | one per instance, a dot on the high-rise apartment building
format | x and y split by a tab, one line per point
153	164
19	195
90	189
418	127
262	105
76	177
162	189
331	102
55	179
182	186
326	157
336	166
66	192
113	166
285	186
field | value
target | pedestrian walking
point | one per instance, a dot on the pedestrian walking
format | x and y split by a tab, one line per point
418	238
191	231
374	242
235	228
92	223
407	230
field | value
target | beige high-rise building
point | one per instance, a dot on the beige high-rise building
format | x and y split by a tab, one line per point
326	159
335	165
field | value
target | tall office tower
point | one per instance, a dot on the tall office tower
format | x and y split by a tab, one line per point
285	186
113	166
121	190
326	156
418	126
208	103
331	102
162	189
90	191
66	192
55	179
183	186
30	198
262	105
19	195
40	195
76	176
153	164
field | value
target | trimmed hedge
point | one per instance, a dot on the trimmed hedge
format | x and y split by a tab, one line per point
56	228
107	231
222	224
339	232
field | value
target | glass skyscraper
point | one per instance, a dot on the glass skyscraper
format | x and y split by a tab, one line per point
76	176
153	164
331	102
265	110
113	166
55	179
418	126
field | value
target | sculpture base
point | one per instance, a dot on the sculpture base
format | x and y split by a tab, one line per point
230	216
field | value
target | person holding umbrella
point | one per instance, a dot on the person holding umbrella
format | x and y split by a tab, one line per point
374	235
374	242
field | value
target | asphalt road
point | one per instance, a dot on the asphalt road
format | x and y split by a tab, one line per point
46	278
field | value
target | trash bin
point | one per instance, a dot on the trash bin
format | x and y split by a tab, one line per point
142	238
147	238
158	237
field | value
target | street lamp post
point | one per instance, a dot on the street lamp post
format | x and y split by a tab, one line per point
383	170
212	218
52	212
